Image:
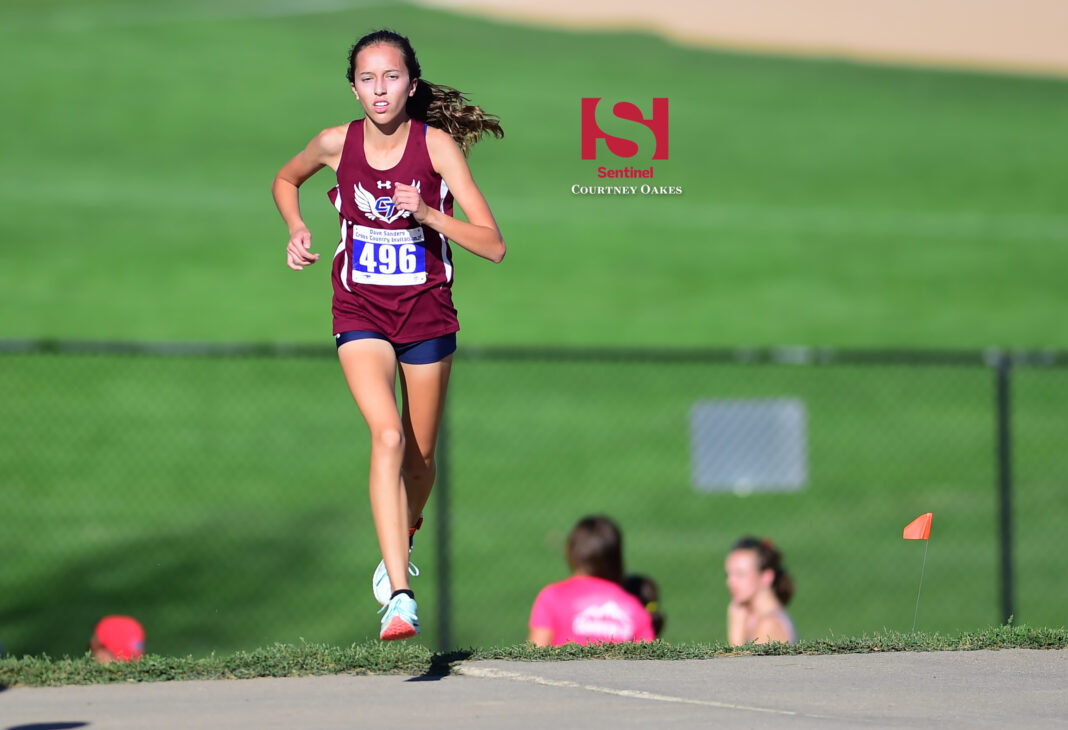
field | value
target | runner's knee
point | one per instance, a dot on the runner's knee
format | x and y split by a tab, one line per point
390	439
419	468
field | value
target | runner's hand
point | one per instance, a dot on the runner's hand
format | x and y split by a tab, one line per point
298	252
408	198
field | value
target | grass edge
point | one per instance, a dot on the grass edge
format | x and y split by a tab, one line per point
376	658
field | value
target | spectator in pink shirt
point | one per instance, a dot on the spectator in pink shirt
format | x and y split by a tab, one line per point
590	606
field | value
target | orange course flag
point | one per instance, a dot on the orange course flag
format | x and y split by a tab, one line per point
919	528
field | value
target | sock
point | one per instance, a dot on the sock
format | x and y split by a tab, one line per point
411	531
405	591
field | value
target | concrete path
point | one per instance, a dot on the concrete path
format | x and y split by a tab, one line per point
982	689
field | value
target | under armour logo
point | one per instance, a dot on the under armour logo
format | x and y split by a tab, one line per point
384	184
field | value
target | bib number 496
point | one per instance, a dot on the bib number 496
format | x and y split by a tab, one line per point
376	258
388	257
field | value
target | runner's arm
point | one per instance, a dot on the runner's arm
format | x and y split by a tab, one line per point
324	149
479	234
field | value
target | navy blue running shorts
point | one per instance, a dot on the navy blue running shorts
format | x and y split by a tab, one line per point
422	352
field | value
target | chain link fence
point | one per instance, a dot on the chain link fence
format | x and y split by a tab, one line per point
219	494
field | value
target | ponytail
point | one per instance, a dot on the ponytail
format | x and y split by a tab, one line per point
450	111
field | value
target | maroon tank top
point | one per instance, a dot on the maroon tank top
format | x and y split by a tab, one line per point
391	275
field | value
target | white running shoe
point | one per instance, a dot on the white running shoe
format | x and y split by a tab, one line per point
380	584
400	621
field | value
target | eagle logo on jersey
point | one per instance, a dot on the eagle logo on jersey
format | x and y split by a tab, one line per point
382	208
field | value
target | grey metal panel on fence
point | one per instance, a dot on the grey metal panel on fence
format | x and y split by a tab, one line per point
749	445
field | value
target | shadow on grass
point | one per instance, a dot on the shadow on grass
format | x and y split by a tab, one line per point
194	590
441	665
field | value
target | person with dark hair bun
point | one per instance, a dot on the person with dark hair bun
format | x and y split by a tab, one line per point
760	588
399	169
647	591
590	606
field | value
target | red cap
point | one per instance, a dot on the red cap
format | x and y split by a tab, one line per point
122	636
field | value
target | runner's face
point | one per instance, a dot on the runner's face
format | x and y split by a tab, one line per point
743	575
382	84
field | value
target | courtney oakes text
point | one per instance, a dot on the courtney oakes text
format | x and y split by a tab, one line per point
626	190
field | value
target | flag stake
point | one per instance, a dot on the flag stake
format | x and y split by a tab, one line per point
916	613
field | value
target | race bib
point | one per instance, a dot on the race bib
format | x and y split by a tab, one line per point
388	258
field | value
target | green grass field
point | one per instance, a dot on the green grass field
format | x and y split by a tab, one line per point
826	203
175	489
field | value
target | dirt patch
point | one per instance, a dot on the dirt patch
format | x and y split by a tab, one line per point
1014	35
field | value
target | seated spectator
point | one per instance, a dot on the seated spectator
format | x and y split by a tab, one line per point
117	639
647	592
760	588
590	606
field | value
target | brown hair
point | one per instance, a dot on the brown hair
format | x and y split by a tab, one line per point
595	547
433	104
645	590
769	558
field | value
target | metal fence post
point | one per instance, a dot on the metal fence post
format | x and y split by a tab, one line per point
441	510
1004	456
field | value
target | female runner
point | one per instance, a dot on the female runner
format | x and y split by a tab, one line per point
399	168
